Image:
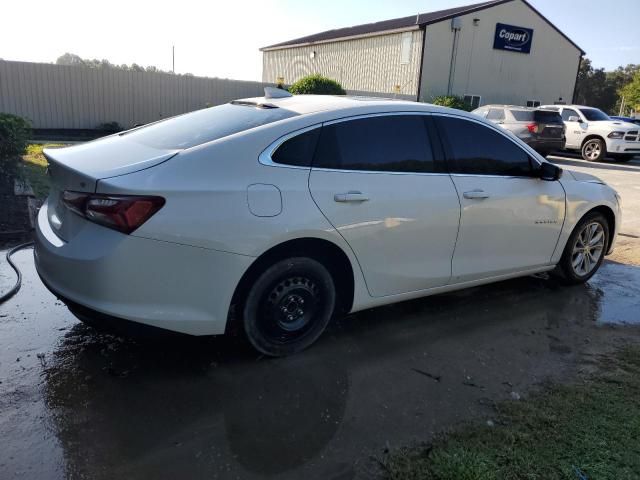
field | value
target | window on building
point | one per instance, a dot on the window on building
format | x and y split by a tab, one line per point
298	150
567	112
389	143
472	100
479	150
533	103
495	114
405	51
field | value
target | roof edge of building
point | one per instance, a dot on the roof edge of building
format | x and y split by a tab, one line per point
417	25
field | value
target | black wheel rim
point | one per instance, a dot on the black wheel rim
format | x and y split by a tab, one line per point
289	308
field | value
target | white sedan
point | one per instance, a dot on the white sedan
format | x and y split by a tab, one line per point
281	212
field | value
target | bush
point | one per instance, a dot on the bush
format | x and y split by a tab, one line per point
14	134
110	127
317	85
452	101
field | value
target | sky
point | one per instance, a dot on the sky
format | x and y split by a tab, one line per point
222	38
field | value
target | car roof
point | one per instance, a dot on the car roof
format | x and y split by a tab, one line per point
519	107
303	104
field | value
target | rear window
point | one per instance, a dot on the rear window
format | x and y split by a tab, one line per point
206	125
522	115
546	116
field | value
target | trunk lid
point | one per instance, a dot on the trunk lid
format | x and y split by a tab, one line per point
78	168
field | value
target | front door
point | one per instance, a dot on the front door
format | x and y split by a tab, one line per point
576	130
376	180
510	220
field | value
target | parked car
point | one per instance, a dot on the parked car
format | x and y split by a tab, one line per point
278	213
542	130
635	121
595	135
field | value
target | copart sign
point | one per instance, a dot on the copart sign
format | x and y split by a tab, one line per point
512	38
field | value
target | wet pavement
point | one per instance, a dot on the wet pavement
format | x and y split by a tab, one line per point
76	403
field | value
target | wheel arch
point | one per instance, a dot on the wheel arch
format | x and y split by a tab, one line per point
608	215
591	137
324	251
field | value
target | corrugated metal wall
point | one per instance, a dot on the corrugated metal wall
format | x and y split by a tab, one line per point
371	64
57	96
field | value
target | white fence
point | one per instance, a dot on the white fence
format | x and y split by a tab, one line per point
66	97
58	96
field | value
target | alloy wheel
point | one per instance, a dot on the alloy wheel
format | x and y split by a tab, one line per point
588	249
592	150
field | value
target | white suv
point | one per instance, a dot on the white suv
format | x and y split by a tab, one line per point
595	135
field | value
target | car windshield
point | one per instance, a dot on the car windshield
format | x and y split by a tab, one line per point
206	125
594	115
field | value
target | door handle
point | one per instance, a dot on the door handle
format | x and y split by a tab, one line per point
351	196
476	194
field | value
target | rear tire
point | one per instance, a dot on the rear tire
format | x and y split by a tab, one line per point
594	150
585	250
289	306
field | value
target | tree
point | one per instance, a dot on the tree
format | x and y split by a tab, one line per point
601	89
318	85
631	93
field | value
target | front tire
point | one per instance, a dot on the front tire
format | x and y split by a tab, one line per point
594	150
585	250
289	306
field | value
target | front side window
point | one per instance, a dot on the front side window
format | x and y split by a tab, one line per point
297	151
567	112
479	150
388	143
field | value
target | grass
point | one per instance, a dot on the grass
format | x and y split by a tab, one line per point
588	430
34	166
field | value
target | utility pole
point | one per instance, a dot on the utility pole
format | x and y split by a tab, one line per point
173	58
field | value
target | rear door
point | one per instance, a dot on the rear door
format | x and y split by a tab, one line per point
510	220
377	180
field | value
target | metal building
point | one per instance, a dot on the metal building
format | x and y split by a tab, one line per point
502	51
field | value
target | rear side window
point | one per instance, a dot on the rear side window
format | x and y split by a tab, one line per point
206	125
522	115
298	150
395	143
547	116
495	114
479	150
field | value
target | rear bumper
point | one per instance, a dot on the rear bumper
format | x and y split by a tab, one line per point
547	144
174	287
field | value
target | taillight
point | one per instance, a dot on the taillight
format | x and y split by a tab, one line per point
124	213
533	127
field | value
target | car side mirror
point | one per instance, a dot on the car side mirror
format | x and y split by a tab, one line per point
550	172
573	118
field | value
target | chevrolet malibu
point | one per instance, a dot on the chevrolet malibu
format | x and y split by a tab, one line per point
281	212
